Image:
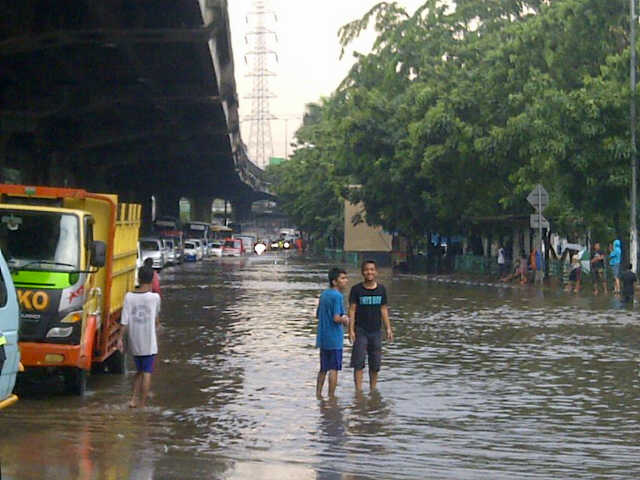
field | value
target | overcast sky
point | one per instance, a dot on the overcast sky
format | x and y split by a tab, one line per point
308	52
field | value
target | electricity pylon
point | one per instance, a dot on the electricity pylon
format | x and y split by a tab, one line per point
260	139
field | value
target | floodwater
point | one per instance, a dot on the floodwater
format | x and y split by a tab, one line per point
481	382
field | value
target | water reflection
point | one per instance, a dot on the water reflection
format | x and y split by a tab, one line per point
481	382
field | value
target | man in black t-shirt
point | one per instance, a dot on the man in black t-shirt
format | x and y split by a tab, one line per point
628	278
367	312
597	269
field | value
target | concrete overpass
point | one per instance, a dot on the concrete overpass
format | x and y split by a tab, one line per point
132	96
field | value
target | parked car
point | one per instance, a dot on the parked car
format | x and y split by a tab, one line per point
199	247
232	247
215	248
151	247
190	251
177	246
170	248
9	321
139	263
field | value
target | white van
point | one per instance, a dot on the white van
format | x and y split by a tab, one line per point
9	322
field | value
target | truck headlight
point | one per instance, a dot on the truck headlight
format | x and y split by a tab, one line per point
72	317
59	332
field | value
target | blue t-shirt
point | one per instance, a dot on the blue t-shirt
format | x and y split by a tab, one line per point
330	334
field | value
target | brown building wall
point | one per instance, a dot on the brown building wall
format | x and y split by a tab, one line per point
362	237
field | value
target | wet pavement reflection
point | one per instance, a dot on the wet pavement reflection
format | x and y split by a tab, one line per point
481	382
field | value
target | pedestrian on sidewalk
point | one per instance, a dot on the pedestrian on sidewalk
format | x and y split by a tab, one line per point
368	311
628	279
597	269
330	337
615	257
140	317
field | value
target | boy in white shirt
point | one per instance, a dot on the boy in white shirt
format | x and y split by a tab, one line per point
139	321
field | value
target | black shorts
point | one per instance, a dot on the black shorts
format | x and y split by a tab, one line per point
575	274
367	344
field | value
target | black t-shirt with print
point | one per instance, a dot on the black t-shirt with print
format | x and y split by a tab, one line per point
599	264
368	303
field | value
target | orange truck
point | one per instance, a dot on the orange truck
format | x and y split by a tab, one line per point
72	256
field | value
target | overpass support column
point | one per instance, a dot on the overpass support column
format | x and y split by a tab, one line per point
201	209
167	204
241	210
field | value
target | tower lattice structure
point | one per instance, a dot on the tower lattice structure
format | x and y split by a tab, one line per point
260	138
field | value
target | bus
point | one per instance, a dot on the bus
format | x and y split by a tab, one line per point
198	230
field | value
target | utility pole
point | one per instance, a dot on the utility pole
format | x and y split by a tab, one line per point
633	253
286	139
260	139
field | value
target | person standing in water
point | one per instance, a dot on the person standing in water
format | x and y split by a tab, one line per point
367	312
155	284
330	337
139	319
615	257
597	269
628	280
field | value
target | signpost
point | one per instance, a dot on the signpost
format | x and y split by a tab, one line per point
538	221
539	199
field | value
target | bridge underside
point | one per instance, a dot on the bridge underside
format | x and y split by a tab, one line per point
135	97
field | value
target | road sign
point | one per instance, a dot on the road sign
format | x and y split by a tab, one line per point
538	221
538	198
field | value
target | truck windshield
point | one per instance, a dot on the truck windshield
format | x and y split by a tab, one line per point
41	240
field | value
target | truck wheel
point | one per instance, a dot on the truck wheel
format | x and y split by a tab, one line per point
75	380
117	362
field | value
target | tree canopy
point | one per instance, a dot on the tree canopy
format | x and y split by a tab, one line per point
457	112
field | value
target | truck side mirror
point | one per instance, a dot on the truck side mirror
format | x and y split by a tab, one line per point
98	253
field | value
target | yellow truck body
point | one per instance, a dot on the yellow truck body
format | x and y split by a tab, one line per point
71	307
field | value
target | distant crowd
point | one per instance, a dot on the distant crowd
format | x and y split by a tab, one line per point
577	262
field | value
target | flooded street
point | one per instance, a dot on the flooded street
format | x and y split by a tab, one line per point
481	382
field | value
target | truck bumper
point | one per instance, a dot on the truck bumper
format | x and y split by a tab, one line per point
53	355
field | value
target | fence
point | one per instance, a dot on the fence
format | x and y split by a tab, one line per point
383	259
467	264
339	256
475	264
479	265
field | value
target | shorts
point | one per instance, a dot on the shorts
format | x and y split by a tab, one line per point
330	360
144	363
598	275
616	270
367	344
575	274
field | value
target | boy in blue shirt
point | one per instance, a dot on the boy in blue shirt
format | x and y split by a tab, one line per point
331	317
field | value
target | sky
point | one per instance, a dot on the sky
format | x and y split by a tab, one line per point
308	52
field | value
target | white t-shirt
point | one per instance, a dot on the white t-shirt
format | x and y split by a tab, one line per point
140	311
501	256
